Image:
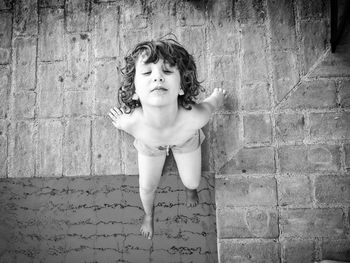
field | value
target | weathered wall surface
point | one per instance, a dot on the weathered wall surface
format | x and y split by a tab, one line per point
279	148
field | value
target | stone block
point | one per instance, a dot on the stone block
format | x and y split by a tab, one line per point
285	72
255	96
136	254
251	160
314	9
5	37
315	37
24	105
165	255
50	148
51	37
26	17
81	249
106	87
347	156
78	103
316	94
250	11
129	39
106	143
222	12
76	148
5	86
109	196
225	67
24	63
77	15
163	16
311	223
309	158
223	39
105	30
290	127
296	250
3	148
330	126
257	128
78	62
254	49
247	223
282	24
294	190
246	250
193	40
133	15
51	3
332	189
22	149
333	64
245	191
5	5
225	140
191	13
344	94
109	242
50	86
336	249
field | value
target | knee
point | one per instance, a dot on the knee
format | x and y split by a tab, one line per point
192	184
149	189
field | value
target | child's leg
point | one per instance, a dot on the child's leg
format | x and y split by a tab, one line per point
150	171
189	166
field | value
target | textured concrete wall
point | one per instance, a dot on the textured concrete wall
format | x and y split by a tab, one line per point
279	148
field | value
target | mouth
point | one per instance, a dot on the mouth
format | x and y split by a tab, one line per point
159	88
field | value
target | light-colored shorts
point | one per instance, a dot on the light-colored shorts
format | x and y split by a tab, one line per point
190	145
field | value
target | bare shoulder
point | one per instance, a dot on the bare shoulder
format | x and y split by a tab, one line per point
197	117
129	121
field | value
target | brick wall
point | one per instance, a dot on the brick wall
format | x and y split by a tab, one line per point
279	148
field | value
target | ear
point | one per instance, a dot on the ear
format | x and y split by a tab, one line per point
135	96
181	92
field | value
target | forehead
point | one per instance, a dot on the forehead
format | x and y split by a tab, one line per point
143	57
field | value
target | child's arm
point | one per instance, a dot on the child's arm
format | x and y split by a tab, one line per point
214	101
208	106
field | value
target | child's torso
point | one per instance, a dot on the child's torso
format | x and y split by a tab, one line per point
176	134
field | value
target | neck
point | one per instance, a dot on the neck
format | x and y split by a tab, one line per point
161	117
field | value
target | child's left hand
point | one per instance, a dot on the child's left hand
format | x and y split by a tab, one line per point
219	94
115	114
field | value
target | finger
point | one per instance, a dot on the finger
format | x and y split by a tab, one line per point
113	112
111	116
118	111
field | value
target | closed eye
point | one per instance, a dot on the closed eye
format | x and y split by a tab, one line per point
167	71
146	73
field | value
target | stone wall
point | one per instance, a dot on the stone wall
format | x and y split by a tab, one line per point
278	149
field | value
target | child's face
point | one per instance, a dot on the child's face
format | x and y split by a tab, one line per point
156	84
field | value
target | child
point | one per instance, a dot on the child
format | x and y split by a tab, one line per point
159	88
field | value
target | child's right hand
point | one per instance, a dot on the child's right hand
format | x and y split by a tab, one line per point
115	114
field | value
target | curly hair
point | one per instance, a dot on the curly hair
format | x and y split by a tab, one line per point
171	52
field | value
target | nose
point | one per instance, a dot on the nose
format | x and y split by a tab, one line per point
158	76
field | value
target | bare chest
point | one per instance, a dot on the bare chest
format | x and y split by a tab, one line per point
162	137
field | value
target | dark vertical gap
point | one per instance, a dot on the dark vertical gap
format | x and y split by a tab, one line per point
334	24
